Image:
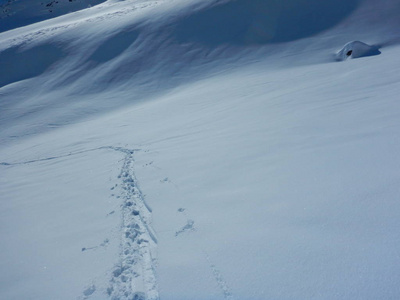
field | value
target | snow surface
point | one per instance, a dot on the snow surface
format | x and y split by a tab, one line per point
17	13
201	150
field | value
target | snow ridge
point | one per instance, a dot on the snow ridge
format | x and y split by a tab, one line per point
134	276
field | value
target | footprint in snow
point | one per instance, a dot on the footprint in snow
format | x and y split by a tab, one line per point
89	291
188	227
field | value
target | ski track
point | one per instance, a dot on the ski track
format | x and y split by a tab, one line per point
134	276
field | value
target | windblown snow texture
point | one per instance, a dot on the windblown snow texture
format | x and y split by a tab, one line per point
206	150
18	13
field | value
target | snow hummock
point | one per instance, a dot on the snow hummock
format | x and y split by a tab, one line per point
357	49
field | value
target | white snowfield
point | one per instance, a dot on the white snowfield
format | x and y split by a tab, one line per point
201	149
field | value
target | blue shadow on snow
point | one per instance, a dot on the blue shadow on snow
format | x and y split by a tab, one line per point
244	22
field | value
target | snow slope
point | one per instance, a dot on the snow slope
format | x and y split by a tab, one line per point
17	13
201	150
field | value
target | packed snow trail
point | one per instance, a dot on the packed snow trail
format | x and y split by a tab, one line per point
133	276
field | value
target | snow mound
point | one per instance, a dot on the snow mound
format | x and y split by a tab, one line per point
356	49
260	21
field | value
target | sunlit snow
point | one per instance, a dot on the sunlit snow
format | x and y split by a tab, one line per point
199	149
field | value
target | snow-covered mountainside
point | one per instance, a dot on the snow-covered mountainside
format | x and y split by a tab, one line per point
17	13
192	149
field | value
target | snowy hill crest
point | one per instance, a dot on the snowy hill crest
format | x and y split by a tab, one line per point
17	13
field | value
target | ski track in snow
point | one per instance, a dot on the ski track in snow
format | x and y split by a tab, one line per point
134	276
60	156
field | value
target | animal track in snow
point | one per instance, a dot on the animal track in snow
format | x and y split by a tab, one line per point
220	281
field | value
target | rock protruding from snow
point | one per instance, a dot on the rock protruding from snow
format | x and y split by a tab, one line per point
356	49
